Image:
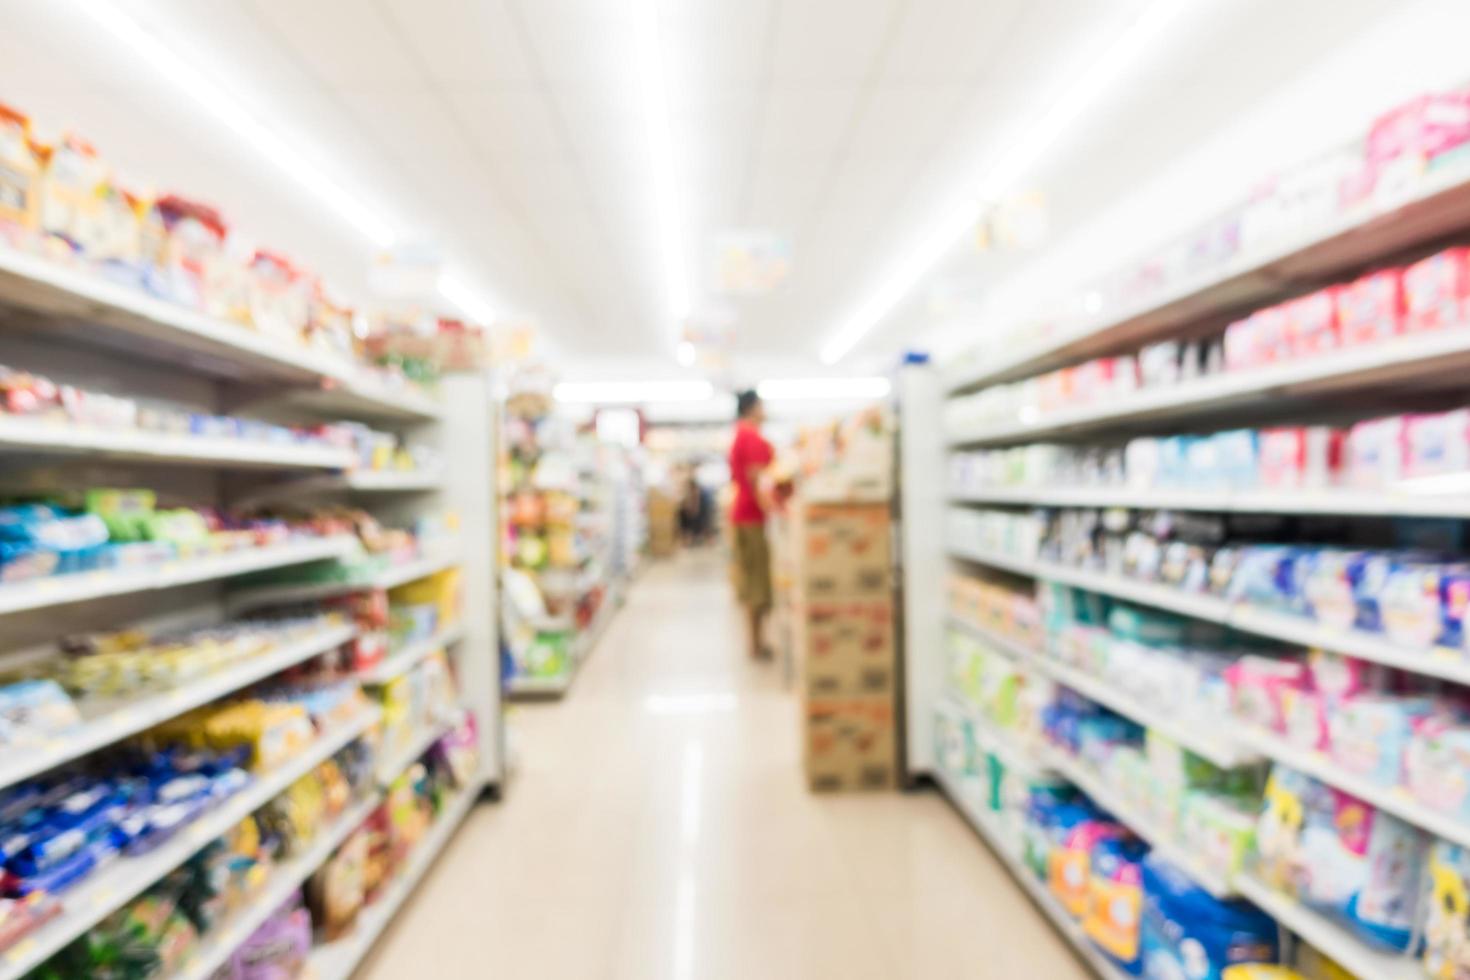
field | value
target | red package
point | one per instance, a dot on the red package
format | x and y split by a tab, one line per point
1312	324
1371	308
1436	290
1301	457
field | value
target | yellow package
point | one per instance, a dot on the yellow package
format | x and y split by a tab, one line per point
20	171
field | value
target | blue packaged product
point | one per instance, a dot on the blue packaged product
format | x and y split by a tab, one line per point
55	879
1187	932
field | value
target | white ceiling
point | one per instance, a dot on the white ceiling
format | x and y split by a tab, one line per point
510	132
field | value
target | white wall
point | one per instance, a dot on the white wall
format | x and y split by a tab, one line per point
1420	47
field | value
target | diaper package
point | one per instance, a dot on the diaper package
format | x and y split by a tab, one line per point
1186	932
1447	924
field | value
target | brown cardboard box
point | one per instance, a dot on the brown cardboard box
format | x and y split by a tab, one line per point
844	550
846	647
663	524
850	744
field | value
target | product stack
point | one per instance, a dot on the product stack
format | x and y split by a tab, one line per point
571	531
844	626
1206	682
232	570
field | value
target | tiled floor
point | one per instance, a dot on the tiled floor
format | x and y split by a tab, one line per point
658	827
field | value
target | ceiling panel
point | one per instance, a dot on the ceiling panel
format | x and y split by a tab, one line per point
464	42
951	41
828	42
347	42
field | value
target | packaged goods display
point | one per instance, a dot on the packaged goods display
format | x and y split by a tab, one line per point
65	206
157	933
1410	596
1405	148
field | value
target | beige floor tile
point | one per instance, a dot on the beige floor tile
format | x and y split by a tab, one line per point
658	828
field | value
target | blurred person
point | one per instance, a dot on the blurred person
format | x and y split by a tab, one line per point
694	523
750	455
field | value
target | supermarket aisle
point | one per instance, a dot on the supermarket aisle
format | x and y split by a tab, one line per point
659	828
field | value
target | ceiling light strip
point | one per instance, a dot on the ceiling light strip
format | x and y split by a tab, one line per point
652	71
823	389
632	392
1085	90
362	217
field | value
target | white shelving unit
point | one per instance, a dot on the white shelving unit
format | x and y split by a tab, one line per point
58	590
1347	502
1350	952
1424	214
1435	205
76	329
244	600
116	722
1288	628
110	889
1223	751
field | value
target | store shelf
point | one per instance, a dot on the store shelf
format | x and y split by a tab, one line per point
18	435
1196	734
1390	799
83	308
1162	841
1068	927
338	960
221	942
120	721
1353	954
391	767
356	394
388	578
56	590
1345	502
1432	662
108	890
1432	357
992	740
1437	205
351	482
1224	753
540	687
399	661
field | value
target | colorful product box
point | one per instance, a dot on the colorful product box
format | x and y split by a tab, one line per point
1436	290
1371	308
1312	323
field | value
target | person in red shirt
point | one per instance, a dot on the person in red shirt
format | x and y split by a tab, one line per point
750	454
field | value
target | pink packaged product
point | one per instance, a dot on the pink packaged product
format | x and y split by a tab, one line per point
1375	452
1424	127
1312	324
1255	688
1436	290
1261	338
1304	718
1437	443
1371	308
1300	457
277	950
1338	676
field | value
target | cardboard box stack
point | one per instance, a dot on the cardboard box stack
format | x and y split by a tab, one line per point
845	639
663	523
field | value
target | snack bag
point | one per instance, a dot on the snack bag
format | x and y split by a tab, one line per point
20	170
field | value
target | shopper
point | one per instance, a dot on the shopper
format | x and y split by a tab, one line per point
750	454
694	512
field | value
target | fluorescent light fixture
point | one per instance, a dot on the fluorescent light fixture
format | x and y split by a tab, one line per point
468	302
1020	155
821	389
666	189
686	354
365	219
632	392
